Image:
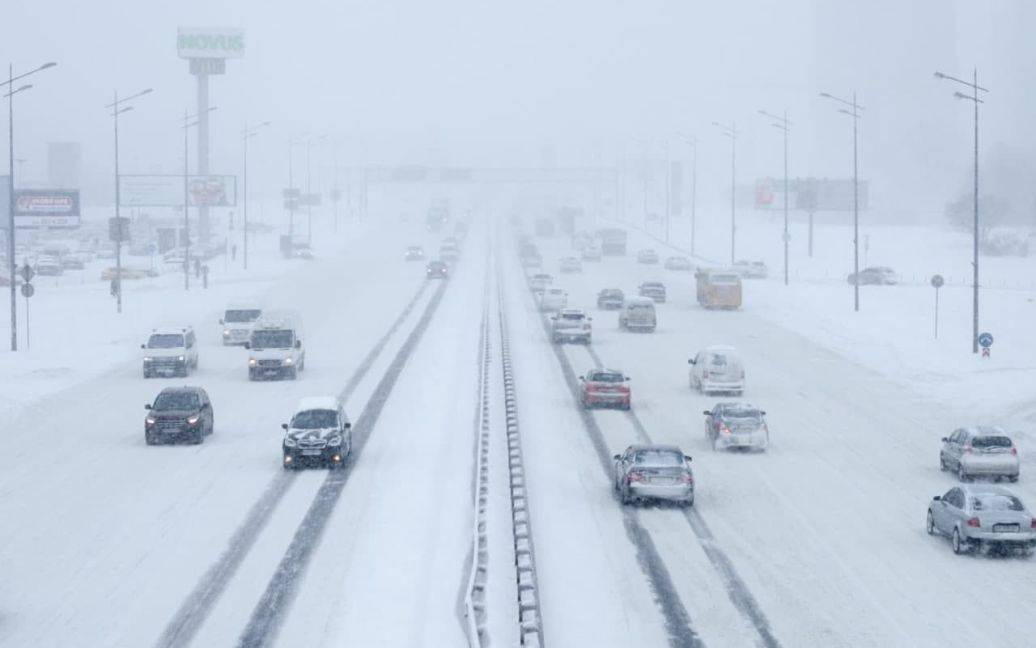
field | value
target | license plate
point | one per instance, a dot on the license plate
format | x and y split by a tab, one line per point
171	430
667	481
1005	528
311	453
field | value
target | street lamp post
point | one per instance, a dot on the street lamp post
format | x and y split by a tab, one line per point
785	126
731	132
11	263
247	134
853	109
117	109
976	99
187	124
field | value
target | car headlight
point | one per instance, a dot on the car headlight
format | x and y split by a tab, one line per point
149	420
336	440
180	358
252	362
193	420
289	361
226	333
148	358
290	442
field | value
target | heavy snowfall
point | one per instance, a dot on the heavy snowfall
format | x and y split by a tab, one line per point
548	325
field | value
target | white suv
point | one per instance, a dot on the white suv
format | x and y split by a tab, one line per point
570	325
170	352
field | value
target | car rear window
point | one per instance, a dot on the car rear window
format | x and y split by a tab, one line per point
572	316
658	458
996	502
991	442
606	376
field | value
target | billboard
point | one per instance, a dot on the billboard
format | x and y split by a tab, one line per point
167	191
44	208
810	194
210	42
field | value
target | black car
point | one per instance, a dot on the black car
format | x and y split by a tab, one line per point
178	413
437	270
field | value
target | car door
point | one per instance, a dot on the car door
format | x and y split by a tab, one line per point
206	409
696	368
940	512
623	466
710	422
954	509
951	446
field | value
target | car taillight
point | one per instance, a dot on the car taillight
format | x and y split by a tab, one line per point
967	449
724	429
635	477
973	522
590	387
688	478
1014	451
1034	523
624	389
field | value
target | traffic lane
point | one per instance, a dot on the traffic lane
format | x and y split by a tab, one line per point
147	514
390	564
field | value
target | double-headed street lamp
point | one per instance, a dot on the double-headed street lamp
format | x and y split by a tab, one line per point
974	97
853	109
117	107
12	265
784	125
693	142
187	124
731	132
248	133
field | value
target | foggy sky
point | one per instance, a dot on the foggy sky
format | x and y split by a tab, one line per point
460	81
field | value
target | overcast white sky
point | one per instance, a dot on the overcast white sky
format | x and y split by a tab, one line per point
464	81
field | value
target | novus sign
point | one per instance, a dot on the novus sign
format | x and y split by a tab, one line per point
210	42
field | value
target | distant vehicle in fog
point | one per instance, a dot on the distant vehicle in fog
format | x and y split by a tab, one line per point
319	434
179	413
170	352
736	425
237	325
571	325
875	276
553	299
981	451
49	266
653	290
647	256
540	281
544	227
569	265
638	314
591	253
718	288
613	241
751	269
973	516
437	270
717	369
659	472
610	299
678	263
414	253
605	387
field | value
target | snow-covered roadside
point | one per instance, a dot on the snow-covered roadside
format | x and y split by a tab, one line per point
894	332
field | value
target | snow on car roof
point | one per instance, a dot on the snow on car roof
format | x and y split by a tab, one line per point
640	301
985	489
660	447
720	348
170	330
572	311
317	403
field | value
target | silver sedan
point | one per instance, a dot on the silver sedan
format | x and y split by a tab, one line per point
982	515
646	472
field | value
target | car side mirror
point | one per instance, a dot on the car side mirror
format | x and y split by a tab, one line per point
143	346
626	378
582	378
284	426
691	361
687	458
347	426
248	345
589	319
147	406
945	440
221	321
761	413
936	498
298	344
707	413
617	457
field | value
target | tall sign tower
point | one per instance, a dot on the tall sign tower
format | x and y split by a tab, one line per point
207	50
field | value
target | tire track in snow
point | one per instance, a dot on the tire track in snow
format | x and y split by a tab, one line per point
195	609
276	600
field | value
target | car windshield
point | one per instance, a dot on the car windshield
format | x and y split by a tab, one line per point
641	309
177	400
243	315
281	339
315	419
991	442
996	502
658	458
606	377
165	341
611	293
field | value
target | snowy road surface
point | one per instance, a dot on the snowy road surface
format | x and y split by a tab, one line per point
818	542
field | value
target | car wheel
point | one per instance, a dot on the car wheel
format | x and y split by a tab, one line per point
293	374
688	503
930	523
1012	478
198	436
942	464
150	439
624	495
961	474
957	543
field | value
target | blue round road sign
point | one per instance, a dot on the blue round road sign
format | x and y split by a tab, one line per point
985	340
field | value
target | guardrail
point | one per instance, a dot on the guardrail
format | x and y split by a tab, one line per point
475	595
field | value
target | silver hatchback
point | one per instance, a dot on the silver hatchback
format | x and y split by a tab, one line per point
980	451
982	515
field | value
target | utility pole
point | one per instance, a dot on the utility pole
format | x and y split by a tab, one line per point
731	132
853	109
187	124
784	125
975	98
247	134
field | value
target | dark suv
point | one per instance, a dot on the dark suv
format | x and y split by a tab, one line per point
178	413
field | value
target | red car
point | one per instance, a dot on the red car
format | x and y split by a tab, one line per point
605	387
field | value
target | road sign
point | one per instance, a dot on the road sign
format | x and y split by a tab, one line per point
28	290
985	340
937	281
27	272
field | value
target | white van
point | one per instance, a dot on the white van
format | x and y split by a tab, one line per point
638	314
275	347
237	325
170	352
553	299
